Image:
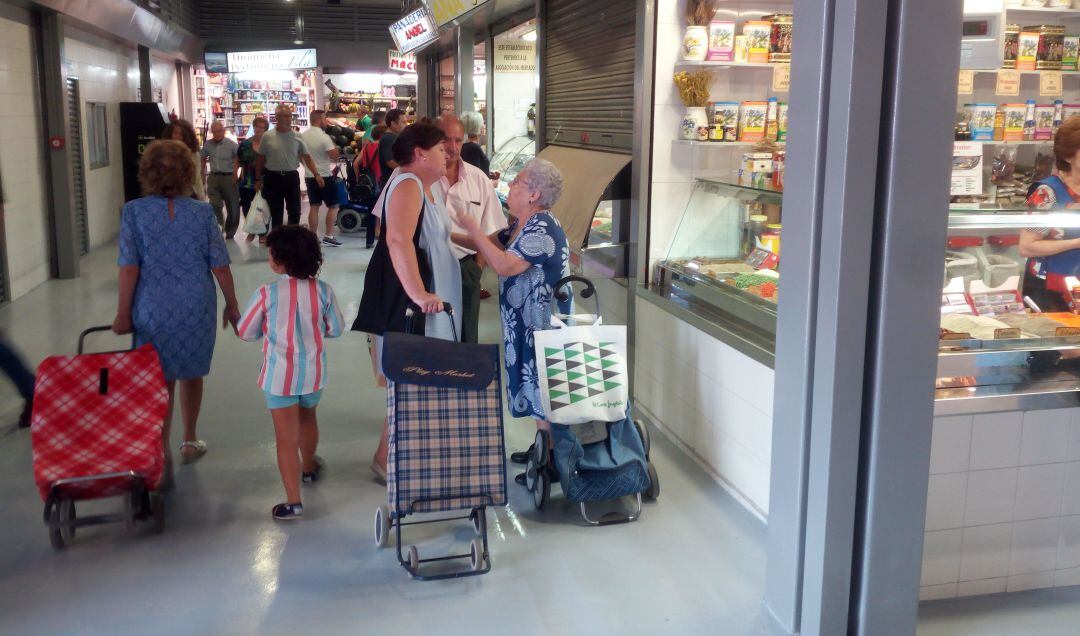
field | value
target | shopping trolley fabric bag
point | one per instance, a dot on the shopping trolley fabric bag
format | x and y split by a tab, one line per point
95	414
582	371
444	414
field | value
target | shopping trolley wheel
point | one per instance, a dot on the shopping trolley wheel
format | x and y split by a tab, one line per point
382	526
541	488
414	558
157	513
654	484
478	520
133	507
643	432
542	448
476	554
60	511
67	516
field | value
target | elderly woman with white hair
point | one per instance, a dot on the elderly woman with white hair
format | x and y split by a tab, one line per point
471	152
530	256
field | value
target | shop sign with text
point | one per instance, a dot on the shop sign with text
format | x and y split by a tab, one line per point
414	30
446	11
515	56
283	60
404	62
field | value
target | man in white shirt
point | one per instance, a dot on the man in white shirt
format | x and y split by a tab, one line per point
466	189
325	154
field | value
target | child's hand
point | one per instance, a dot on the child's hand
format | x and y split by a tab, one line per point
231	316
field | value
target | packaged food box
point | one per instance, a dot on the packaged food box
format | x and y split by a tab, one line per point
780	41
752	116
721	41
755	171
724	121
1044	122
1012	45
1049	46
1070	110
981	118
781	122
758	35
1015	115
1072	52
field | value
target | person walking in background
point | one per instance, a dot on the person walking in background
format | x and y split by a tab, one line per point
181	130
378	119
280	153
292	316
471	151
171	251
248	156
220	153
325	153
467	191
395	123
364	123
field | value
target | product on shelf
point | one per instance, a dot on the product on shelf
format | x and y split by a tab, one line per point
1041	47
752	119
758	35
1044	122
721	41
1072	52
724	122
1012	45
981	120
780	38
1015	115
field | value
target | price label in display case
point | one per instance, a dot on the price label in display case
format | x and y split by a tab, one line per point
781	78
967	83
1008	82
1050	84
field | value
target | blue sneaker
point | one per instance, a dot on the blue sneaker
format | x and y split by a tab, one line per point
288	511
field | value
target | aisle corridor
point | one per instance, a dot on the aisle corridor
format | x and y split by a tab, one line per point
694	563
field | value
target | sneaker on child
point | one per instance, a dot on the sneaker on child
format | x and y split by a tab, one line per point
288	511
330	240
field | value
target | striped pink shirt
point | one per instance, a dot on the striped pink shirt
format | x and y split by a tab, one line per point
292	316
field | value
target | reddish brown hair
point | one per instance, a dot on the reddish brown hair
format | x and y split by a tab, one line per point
1067	143
187	131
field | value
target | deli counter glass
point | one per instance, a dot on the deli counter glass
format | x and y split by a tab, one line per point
998	351
723	264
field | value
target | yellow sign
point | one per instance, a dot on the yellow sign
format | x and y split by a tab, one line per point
967	83
446	11
781	78
1050	84
1008	82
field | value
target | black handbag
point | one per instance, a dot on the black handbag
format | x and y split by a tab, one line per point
384	301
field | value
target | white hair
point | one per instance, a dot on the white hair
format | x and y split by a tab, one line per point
472	122
541	176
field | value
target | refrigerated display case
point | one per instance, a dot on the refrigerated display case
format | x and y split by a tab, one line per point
509	159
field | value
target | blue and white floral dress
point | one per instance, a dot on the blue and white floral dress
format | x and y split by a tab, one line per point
525	304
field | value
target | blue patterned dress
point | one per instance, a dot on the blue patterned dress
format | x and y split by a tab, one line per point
525	303
175	305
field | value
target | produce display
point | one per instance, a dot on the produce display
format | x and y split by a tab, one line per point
731	273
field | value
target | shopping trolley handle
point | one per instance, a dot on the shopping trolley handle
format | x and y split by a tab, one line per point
87	332
412	309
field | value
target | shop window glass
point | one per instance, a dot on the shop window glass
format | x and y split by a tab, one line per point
97	134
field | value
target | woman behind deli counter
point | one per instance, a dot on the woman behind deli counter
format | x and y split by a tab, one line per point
1054	254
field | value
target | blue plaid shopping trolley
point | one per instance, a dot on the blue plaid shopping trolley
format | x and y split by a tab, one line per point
446	442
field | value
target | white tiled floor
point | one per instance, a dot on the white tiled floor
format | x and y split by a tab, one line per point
693	564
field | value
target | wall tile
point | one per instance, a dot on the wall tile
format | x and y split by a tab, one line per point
1074	436
1034	546
937	592
1038	491
941	557
1070	504
985	552
982	587
1035	581
995	440
944	501
950	449
1068	555
1045	437
991	495
1067	578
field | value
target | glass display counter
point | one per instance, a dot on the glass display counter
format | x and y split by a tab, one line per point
722	268
508	160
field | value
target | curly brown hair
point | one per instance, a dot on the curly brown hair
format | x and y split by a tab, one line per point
166	169
187	132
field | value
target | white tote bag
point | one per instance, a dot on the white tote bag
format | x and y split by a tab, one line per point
258	215
582	371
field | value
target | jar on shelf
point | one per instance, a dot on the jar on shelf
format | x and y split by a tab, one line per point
695	43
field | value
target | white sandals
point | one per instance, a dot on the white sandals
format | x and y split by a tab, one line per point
192	451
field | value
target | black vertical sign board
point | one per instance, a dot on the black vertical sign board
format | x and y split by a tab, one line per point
140	123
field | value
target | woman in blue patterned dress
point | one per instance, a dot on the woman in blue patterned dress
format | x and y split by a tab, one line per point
530	256
171	251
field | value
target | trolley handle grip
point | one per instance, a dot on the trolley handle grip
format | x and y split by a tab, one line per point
87	332
412	309
588	292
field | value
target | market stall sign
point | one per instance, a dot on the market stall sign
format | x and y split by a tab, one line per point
514	57
282	60
405	62
781	78
1008	82
966	83
1050	84
446	11
414	30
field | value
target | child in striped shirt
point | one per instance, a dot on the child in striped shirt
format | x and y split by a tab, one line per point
293	316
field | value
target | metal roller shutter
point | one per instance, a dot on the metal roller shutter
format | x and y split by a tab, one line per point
228	20
78	172
588	72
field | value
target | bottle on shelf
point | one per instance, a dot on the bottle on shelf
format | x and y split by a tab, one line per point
771	126
1029	121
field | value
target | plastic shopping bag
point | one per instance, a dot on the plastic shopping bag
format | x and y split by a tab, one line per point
257	216
582	372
